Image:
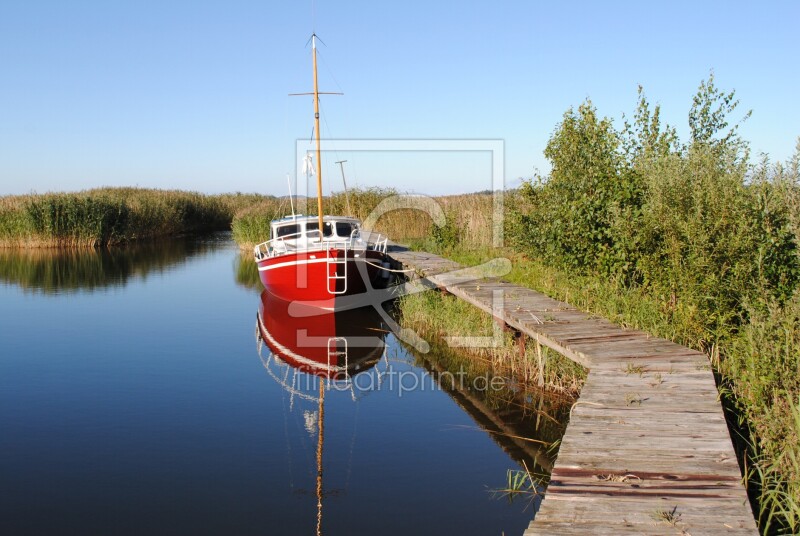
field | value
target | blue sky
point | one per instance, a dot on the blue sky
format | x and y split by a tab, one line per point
193	94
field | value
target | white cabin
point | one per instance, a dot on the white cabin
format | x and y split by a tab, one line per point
298	232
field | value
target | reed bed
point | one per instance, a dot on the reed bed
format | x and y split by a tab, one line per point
467	218
112	216
250	224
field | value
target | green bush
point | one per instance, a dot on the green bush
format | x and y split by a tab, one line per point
446	236
697	228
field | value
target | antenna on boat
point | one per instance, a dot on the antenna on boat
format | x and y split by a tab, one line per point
291	202
344	181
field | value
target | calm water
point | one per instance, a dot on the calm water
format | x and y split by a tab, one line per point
134	400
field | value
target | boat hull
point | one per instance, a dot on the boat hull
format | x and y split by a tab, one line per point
321	276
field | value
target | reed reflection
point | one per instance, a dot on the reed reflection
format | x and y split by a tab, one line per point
56	270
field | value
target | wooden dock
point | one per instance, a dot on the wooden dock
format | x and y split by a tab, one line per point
647	449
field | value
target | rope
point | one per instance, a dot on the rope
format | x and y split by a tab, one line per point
389	269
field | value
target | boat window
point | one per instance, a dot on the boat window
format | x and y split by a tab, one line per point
287	230
327	230
344	229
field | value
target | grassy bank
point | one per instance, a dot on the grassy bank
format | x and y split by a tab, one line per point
497	387
109	216
758	364
436	317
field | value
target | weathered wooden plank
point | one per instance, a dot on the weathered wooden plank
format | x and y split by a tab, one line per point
649	409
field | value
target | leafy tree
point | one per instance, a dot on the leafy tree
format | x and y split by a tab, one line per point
573	217
709	118
646	139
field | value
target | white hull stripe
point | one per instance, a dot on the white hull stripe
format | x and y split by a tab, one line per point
305	261
297	357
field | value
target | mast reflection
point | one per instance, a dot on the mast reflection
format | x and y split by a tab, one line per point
313	350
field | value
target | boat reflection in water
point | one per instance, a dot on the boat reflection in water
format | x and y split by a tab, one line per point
334	346
314	350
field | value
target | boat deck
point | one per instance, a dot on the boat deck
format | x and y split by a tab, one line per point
647	449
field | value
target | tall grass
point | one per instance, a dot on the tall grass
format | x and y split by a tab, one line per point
250	224
110	216
468	217
436	316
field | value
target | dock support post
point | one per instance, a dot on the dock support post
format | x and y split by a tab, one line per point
541	362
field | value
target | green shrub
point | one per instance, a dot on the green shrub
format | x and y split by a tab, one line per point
701	233
446	236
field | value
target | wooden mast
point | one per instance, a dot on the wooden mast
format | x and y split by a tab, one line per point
316	132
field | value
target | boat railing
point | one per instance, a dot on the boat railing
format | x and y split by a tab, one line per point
374	241
312	241
381	244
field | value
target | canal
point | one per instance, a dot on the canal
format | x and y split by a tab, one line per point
156	390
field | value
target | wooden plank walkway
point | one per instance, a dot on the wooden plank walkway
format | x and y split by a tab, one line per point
647	449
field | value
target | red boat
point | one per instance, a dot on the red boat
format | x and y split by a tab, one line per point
299	263
316	258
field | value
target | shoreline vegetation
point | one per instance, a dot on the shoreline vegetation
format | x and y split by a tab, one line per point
695	241
113	216
436	315
472	213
